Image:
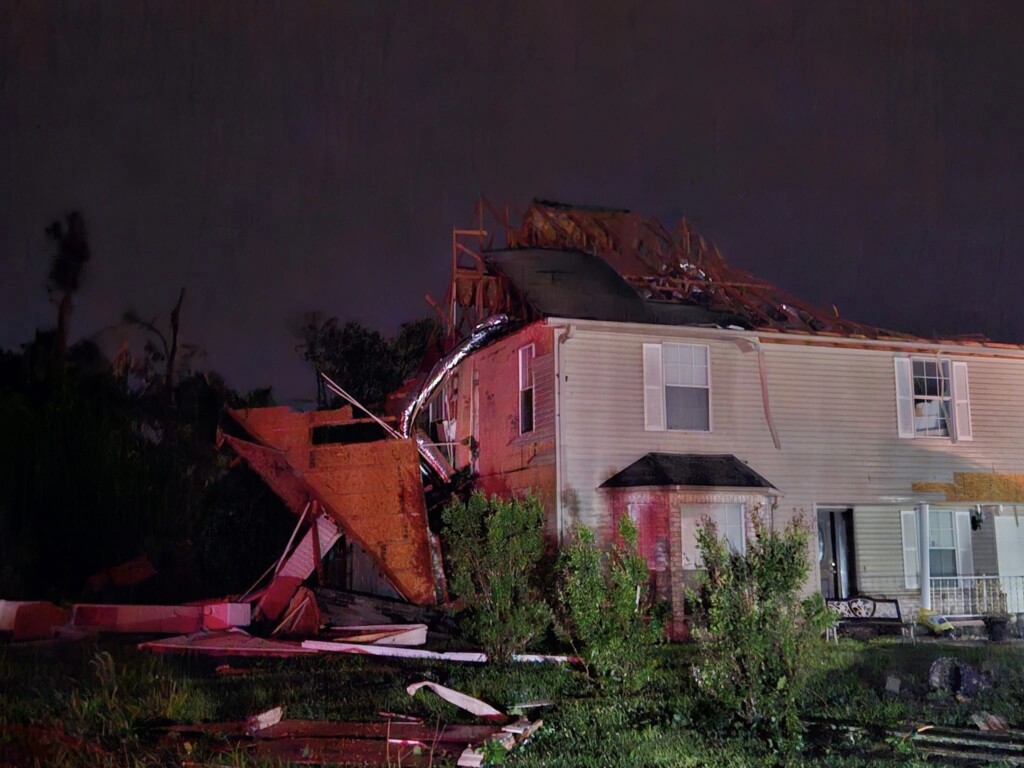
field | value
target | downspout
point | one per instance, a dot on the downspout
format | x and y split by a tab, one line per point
762	370
925	567
562	335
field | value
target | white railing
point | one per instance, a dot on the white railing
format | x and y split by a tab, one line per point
977	595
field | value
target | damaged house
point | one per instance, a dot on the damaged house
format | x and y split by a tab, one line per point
613	366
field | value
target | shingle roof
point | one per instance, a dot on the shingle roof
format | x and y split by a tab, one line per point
687	469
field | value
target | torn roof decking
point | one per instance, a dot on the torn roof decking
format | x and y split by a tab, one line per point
681	278
373	490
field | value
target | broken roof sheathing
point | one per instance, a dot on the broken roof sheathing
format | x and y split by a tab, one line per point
372	490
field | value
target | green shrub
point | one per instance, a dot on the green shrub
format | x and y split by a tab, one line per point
604	606
754	634
495	552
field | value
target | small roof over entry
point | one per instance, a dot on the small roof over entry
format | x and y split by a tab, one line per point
688	469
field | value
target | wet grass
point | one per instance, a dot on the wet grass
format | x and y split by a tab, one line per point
114	699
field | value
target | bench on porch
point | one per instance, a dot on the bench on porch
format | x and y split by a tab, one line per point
868	612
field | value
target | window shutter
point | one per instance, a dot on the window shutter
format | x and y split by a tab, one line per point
904	397
964	552
908	523
961	403
654	389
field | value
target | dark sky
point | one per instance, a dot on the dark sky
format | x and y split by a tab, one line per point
279	157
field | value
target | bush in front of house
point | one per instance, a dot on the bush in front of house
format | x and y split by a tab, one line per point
755	636
495	554
605	608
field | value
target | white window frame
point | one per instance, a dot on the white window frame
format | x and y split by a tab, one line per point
527	356
728	529
958	413
962	544
656	387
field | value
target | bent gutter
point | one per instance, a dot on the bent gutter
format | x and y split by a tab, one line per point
488	331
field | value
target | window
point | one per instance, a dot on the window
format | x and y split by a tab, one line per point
730	520
932	398
677	387
526	389
950	553
941	543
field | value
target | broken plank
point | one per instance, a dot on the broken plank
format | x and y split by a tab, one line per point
382	634
230	643
471	657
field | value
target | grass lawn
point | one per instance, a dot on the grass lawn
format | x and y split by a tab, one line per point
110	695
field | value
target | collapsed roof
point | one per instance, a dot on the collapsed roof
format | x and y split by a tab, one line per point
613	264
371	487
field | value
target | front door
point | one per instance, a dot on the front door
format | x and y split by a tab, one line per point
835	553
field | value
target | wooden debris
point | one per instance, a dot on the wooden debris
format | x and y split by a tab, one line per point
309	742
470	657
986	721
229	643
382	634
470	704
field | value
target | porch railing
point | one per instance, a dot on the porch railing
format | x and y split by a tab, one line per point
960	596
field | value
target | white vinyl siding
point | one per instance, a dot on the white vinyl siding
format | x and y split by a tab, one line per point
932	398
833	408
677	387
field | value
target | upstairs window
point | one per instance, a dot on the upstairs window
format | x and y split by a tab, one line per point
677	387
526	389
932	398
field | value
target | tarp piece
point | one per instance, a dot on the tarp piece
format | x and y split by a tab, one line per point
372	490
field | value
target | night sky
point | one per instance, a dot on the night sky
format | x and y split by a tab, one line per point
281	157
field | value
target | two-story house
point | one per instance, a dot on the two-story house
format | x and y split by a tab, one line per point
648	378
